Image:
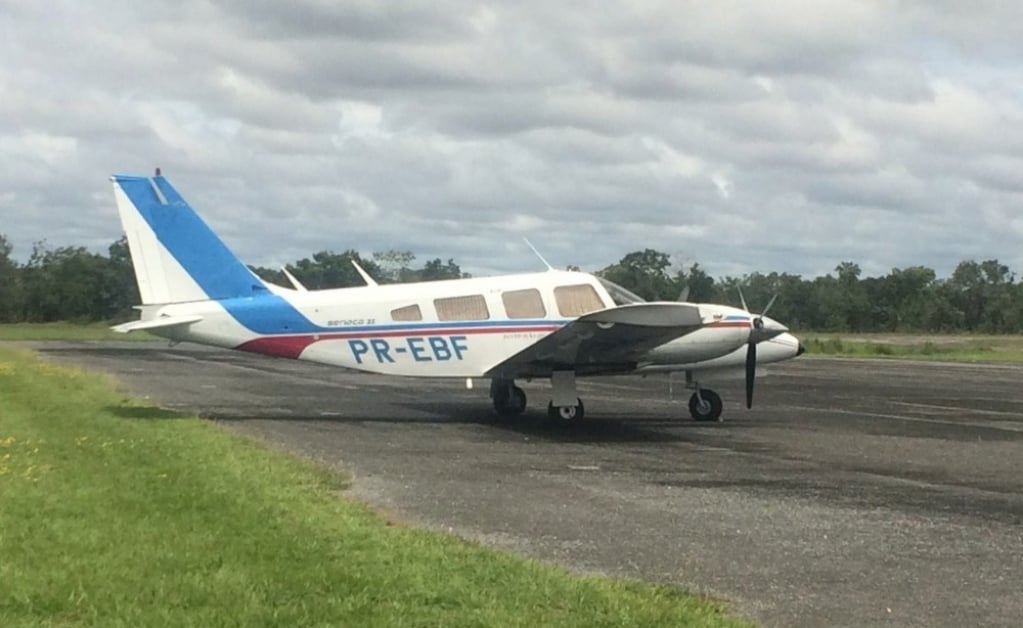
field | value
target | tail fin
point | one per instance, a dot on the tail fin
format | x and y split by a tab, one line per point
177	257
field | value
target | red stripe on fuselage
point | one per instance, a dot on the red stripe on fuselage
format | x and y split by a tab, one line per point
293	346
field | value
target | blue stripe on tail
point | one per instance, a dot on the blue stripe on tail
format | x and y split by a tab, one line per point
193	244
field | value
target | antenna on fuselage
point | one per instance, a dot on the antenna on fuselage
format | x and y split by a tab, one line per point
365	276
294	280
537	253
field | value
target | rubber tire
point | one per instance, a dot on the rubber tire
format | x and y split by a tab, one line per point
712	400
510	401
566	414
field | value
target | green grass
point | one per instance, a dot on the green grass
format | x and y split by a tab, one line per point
958	348
66	331
113	513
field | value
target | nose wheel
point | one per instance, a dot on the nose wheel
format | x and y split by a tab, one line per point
705	405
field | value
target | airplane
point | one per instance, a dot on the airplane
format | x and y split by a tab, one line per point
556	325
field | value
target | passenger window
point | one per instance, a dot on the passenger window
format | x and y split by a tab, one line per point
470	308
577	300
407	313
523	304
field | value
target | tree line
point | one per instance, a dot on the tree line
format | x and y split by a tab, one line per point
71	283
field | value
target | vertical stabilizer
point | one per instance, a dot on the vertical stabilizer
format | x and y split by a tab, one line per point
177	257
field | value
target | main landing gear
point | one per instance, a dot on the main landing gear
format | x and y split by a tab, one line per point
567	414
565	405
509	399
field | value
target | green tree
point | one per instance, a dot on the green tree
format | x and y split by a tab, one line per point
646	274
435	270
10	298
902	299
395	266
327	269
121	288
698	284
271	275
67	283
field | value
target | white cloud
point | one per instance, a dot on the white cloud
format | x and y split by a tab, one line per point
781	136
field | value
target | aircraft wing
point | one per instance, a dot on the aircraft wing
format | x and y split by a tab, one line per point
604	342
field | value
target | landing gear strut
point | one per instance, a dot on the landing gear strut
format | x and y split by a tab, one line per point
568	414
565	404
705	404
509	399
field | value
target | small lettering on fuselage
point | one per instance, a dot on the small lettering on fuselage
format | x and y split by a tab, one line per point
351	321
420	348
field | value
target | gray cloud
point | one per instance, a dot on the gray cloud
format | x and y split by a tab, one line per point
786	136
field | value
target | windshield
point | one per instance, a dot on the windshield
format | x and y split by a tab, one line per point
620	295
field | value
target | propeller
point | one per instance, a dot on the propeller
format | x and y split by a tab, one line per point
751	371
756	335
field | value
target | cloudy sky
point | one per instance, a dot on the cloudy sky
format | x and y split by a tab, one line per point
745	136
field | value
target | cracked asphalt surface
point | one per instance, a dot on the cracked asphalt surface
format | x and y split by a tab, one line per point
855	493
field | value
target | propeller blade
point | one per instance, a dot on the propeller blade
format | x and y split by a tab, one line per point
769	304
743	299
751	372
684	295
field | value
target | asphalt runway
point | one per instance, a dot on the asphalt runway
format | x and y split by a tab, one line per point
855	493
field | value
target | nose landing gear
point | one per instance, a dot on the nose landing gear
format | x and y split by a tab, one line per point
704	404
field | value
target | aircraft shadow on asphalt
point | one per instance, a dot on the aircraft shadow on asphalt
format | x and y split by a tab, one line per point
599	428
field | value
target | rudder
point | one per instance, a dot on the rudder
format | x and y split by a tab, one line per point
177	257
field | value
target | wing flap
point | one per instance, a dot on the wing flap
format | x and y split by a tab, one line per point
607	341
157	323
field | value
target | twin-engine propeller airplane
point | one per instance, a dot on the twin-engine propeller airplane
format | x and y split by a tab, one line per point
553	324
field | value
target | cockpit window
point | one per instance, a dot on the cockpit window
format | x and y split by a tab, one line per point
620	295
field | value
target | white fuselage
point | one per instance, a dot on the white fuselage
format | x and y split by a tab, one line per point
454	328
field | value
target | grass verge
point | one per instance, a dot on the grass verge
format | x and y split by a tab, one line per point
118	514
66	331
956	348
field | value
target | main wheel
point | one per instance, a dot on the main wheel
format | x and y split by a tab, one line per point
705	405
566	413
510	401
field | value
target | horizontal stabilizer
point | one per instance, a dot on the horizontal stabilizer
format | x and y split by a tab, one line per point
157	323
